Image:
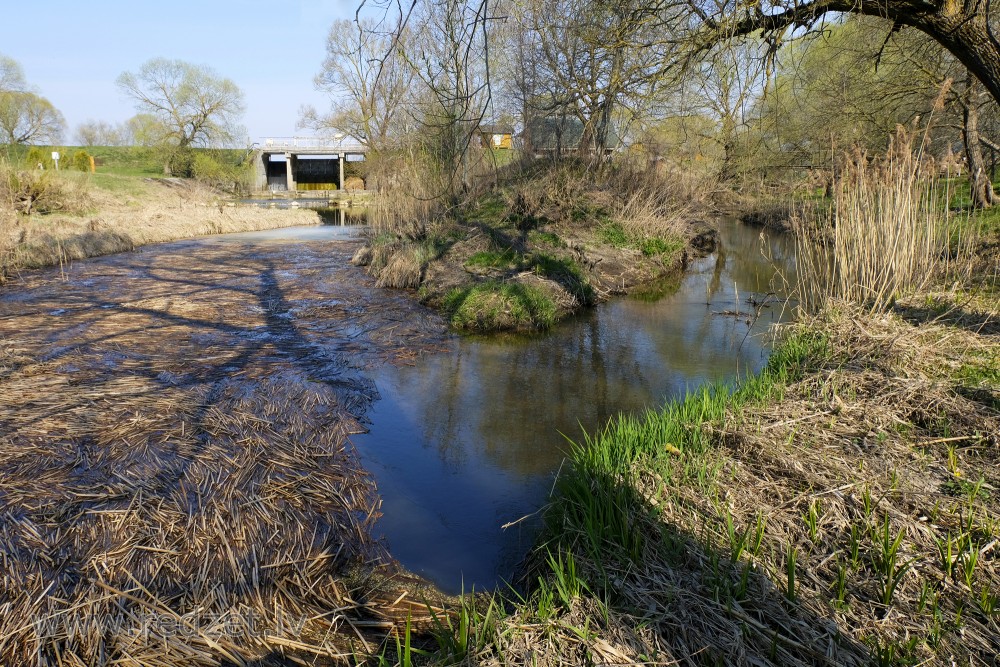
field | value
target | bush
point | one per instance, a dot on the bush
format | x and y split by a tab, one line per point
82	161
33	191
36	156
214	171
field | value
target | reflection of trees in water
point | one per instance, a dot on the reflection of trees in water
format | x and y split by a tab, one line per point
510	399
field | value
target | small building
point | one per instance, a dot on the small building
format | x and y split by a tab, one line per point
561	135
496	136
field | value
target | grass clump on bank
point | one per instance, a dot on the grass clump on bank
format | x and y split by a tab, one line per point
495	306
576	232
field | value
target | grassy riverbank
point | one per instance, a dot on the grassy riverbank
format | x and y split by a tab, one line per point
540	244
842	507
53	218
839	508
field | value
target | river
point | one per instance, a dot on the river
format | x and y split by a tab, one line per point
144	375
468	441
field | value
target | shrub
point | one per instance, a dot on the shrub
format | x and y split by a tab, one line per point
81	161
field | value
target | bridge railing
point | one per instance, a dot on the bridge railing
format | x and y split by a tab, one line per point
310	143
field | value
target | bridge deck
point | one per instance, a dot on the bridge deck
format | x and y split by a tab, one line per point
309	146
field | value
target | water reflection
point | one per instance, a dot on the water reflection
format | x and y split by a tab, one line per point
469	440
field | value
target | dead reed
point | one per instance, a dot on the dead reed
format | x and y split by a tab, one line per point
177	486
887	234
842	509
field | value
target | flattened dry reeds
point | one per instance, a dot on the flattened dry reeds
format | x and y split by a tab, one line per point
177	486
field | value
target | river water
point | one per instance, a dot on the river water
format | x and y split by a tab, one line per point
468	441
157	367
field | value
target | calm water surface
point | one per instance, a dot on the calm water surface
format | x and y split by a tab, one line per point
469	440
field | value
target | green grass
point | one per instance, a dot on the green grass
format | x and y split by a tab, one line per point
676	441
614	234
490	209
495	259
546	238
656	246
495	306
566	272
133	161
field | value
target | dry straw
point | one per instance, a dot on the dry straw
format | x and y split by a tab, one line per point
176	482
887	234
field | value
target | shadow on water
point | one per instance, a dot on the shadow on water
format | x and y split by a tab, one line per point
470	440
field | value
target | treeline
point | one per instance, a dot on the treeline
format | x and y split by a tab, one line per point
656	82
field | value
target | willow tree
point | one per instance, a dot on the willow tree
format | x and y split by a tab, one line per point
369	83
191	104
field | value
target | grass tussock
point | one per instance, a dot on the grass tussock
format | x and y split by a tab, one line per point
888	233
495	306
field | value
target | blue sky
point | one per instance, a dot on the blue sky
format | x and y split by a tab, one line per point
72	51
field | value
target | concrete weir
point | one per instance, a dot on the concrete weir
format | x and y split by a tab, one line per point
304	164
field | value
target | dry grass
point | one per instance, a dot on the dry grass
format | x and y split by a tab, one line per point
887	236
683	555
151	212
177	486
650	205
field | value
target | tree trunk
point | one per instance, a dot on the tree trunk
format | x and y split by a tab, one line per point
979	179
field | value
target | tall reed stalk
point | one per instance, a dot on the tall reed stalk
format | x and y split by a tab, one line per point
886	234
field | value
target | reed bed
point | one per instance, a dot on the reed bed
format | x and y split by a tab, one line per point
177	482
887	234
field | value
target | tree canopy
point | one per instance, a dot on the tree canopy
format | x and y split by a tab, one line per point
25	116
193	105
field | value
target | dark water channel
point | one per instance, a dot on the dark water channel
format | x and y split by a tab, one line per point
471	439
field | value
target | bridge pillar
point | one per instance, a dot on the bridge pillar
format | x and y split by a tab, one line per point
289	172
340	166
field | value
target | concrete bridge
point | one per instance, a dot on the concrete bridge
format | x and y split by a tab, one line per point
304	164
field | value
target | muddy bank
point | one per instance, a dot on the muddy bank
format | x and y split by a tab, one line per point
177	483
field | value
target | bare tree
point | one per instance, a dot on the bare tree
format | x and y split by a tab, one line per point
102	133
449	52
368	81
